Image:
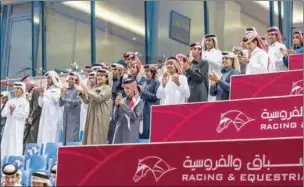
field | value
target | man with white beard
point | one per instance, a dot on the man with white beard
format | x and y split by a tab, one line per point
51	115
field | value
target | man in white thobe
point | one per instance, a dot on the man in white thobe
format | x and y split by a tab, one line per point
274	37
213	55
5	96
16	111
12	176
40	178
174	87
51	114
259	60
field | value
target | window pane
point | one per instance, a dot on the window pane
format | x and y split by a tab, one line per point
60	40
20	56
119	29
23	8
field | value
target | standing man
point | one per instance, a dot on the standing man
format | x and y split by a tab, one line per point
174	87
32	123
148	95
259	60
213	55
16	111
5	96
196	71
72	105
274	37
49	125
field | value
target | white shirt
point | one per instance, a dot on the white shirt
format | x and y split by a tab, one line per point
173	94
258	62
276	57
51	116
214	57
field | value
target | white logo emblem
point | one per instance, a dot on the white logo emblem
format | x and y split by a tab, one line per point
235	117
156	165
297	88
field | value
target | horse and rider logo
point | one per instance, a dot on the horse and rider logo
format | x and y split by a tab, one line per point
154	165
233	117
297	87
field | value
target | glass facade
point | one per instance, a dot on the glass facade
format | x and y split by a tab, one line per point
154	29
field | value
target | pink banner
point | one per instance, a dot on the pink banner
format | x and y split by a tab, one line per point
267	85
230	163
295	62
237	119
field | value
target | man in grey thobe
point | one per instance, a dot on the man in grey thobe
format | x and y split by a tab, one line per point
32	124
71	102
196	71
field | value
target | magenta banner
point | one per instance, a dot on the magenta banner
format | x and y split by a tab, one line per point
236	119
267	85
295	62
230	163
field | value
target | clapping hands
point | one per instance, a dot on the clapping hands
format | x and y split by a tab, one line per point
12	107
213	77
165	79
119	101
175	79
82	88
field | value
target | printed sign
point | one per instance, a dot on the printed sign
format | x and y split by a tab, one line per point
236	119
229	163
295	62
267	85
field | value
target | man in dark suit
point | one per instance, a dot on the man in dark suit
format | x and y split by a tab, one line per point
32	123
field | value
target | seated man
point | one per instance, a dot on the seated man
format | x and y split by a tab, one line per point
54	172
12	175
40	179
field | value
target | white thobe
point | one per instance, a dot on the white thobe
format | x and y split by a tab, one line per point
173	94
83	115
12	140
214	58
276	57
84	110
51	116
258	62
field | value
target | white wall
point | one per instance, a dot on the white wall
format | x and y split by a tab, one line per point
248	21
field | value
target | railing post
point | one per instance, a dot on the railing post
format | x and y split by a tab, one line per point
93	33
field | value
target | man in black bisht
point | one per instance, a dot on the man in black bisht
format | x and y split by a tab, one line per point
196	71
32	124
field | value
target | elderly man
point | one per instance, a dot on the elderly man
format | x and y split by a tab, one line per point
12	175
5	96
